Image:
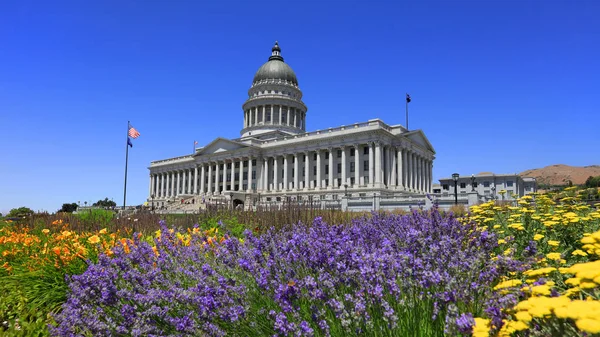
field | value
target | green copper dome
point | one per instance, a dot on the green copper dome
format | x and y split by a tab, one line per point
275	68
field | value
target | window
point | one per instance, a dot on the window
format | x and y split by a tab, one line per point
352	167
254	162
327	155
326	169
352	152
463	185
486	192
339	170
314	171
335	197
366	150
366	166
509	183
474	185
366	180
315	156
253	174
339	153
445	187
352	180
486	184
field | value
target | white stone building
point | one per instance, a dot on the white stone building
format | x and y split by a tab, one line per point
488	185
275	159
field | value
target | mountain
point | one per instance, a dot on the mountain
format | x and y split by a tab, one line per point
561	174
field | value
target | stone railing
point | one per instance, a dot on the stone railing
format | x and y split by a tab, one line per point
373	124
172	160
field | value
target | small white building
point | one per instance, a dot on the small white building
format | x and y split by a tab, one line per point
488	185
276	159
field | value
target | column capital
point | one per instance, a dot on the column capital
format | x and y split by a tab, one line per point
356	146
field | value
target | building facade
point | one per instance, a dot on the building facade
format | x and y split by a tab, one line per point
276	159
489	185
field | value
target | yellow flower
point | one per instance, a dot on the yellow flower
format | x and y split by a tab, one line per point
508	284
538	237
94	239
523	316
588	325
579	252
103	231
553	243
45	231
553	256
66	233
481	327
501	241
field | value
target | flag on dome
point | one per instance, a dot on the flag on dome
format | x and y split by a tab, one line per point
407	98
133	133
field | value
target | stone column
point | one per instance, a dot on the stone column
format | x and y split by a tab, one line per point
287	122
319	163
195	179
241	176
267	173
163	190
202	177
264	115
150	190
306	170
344	173
413	170
408	181
225	176
172	187
388	167
275	173
249	189
400	171
331	169
259	173
232	174
183	181
357	163
371	165
393	170
217	181
296	172
210	180
285	172
378	169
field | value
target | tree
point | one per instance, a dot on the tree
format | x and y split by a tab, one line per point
592	181
69	208
20	212
105	203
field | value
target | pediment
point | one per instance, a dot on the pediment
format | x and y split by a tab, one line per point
418	137
220	145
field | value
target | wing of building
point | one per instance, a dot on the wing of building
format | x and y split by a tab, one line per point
276	159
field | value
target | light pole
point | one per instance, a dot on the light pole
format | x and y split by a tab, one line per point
455	178
493	192
231	199
346	190
472	183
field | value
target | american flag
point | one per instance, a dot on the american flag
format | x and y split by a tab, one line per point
133	133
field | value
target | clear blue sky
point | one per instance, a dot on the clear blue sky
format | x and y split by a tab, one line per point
499	86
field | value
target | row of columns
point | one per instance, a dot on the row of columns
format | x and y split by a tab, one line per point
293	117
386	166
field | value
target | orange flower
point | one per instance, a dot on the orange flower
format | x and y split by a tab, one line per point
155	250
109	252
103	231
94	239
56	250
45	231
66	234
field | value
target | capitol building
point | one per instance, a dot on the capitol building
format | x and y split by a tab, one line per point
276	159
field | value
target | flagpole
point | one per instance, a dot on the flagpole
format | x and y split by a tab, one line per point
406	111
126	160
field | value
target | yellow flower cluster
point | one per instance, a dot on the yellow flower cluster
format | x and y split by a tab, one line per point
557	223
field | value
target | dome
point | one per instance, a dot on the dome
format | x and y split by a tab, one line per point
275	69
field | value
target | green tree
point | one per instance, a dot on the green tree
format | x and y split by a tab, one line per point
105	203
69	208
20	212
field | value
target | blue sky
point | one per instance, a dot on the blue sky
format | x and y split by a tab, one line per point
499	86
